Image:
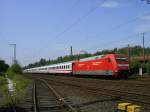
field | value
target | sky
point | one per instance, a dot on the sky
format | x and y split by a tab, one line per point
47	28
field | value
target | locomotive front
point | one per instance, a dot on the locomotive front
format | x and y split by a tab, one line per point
122	66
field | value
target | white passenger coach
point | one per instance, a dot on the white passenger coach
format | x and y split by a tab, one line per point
55	68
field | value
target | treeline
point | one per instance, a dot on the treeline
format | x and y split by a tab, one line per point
134	51
60	59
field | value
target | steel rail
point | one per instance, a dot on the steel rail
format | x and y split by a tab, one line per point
60	98
113	93
35	105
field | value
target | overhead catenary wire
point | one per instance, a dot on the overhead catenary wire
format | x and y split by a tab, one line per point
110	30
102	33
121	40
72	25
78	20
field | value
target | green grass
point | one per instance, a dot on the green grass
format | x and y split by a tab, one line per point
4	91
20	84
3	81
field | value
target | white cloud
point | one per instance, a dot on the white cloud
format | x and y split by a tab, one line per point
147	17
111	4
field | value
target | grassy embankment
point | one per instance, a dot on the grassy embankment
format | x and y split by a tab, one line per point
20	84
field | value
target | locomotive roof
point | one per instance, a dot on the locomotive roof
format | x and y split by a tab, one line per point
92	58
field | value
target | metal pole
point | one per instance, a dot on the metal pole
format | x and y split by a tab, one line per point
15	53
71	50
129	52
144	47
14	45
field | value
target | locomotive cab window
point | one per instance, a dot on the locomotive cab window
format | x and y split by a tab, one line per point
109	60
121	59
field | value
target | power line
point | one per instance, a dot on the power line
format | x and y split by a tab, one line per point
78	21
84	16
120	40
74	23
121	25
124	24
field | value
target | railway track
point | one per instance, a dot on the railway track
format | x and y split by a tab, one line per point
122	85
47	99
118	94
42	97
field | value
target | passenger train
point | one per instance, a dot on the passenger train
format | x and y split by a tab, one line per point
115	65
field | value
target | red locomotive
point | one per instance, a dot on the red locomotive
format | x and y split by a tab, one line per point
115	65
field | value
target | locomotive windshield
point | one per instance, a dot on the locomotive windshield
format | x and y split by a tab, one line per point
121	59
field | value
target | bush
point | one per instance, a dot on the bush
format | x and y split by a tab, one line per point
16	68
2	81
134	66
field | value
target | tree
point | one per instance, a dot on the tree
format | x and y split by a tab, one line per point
136	51
3	66
16	68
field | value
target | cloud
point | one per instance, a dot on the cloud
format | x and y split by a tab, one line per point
111	4
147	17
